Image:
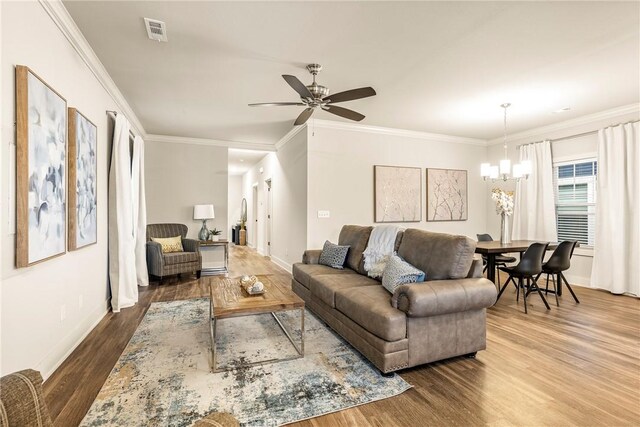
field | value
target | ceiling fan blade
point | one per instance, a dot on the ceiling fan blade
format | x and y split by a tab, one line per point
343	112
303	117
276	104
350	95
297	85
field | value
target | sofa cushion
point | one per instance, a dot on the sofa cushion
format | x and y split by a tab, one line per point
333	255
398	272
356	237
304	272
324	287
179	257
440	256
370	307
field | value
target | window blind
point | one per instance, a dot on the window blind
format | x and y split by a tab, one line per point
575	195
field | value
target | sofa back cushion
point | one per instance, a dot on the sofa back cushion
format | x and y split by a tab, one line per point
440	256
356	237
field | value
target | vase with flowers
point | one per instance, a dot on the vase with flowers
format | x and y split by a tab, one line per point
504	208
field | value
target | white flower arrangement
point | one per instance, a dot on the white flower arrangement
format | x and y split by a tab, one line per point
503	200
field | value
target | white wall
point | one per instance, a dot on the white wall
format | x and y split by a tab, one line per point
580	271
33	334
341	165
179	176
234	200
287	169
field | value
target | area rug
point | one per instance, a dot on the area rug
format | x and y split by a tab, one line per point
162	378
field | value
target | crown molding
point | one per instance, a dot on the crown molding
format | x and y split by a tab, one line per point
60	16
540	132
437	137
289	135
210	142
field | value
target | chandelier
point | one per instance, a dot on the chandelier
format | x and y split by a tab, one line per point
504	171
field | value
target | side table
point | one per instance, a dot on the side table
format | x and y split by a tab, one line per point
209	245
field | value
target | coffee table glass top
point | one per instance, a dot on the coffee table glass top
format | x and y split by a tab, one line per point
229	299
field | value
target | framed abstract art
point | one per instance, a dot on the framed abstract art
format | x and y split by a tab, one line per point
41	150
447	195
397	194
82	189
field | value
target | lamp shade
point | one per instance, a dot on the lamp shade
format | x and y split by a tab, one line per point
203	212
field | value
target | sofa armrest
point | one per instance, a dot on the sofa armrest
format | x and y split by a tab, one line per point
191	245
476	267
155	262
437	297
22	400
311	256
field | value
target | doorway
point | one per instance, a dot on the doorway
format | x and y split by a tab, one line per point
268	217
254	211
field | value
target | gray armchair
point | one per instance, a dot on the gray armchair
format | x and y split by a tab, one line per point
160	264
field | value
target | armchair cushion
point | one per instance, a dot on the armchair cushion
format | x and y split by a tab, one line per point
169	244
22	401
174	258
444	296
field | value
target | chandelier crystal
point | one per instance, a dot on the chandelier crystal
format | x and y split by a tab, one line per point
504	171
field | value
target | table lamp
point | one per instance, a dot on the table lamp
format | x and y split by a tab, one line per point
203	212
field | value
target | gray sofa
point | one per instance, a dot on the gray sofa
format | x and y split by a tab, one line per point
421	322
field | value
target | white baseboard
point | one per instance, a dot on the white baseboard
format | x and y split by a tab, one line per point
575	280
282	264
54	359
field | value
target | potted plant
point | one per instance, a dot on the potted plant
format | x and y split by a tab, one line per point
214	234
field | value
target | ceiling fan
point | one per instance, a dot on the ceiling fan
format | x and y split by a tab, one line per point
315	95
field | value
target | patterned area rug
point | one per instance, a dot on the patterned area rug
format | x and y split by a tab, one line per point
163	378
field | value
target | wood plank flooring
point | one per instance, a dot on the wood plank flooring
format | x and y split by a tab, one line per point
577	364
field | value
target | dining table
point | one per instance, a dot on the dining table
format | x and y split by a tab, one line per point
494	248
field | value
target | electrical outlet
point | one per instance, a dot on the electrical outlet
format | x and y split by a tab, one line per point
63	312
80	301
324	214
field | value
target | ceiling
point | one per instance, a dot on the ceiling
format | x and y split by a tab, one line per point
240	161
442	67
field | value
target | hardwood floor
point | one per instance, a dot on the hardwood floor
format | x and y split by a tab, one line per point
577	364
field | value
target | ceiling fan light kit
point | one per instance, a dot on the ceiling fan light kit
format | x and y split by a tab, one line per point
316	95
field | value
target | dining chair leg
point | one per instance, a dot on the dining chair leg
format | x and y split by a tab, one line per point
561	277
503	288
524	298
518	288
498	276
555	289
546	288
537	288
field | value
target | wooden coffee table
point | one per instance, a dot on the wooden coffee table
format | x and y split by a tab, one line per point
229	299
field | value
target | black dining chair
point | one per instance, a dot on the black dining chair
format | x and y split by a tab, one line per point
526	271
501	260
559	261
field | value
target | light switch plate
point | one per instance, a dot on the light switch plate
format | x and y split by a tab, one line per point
324	214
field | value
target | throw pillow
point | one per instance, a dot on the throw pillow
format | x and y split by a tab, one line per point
169	244
333	255
399	272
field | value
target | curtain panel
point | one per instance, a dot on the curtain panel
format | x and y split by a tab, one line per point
534	216
616	261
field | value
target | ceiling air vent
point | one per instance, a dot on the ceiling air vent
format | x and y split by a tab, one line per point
156	30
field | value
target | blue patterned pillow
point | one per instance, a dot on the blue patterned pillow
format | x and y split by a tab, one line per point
398	272
333	255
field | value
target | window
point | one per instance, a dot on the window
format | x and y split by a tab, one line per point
575	194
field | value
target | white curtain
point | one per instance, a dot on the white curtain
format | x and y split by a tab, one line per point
139	211
125	194
534	216
616	261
